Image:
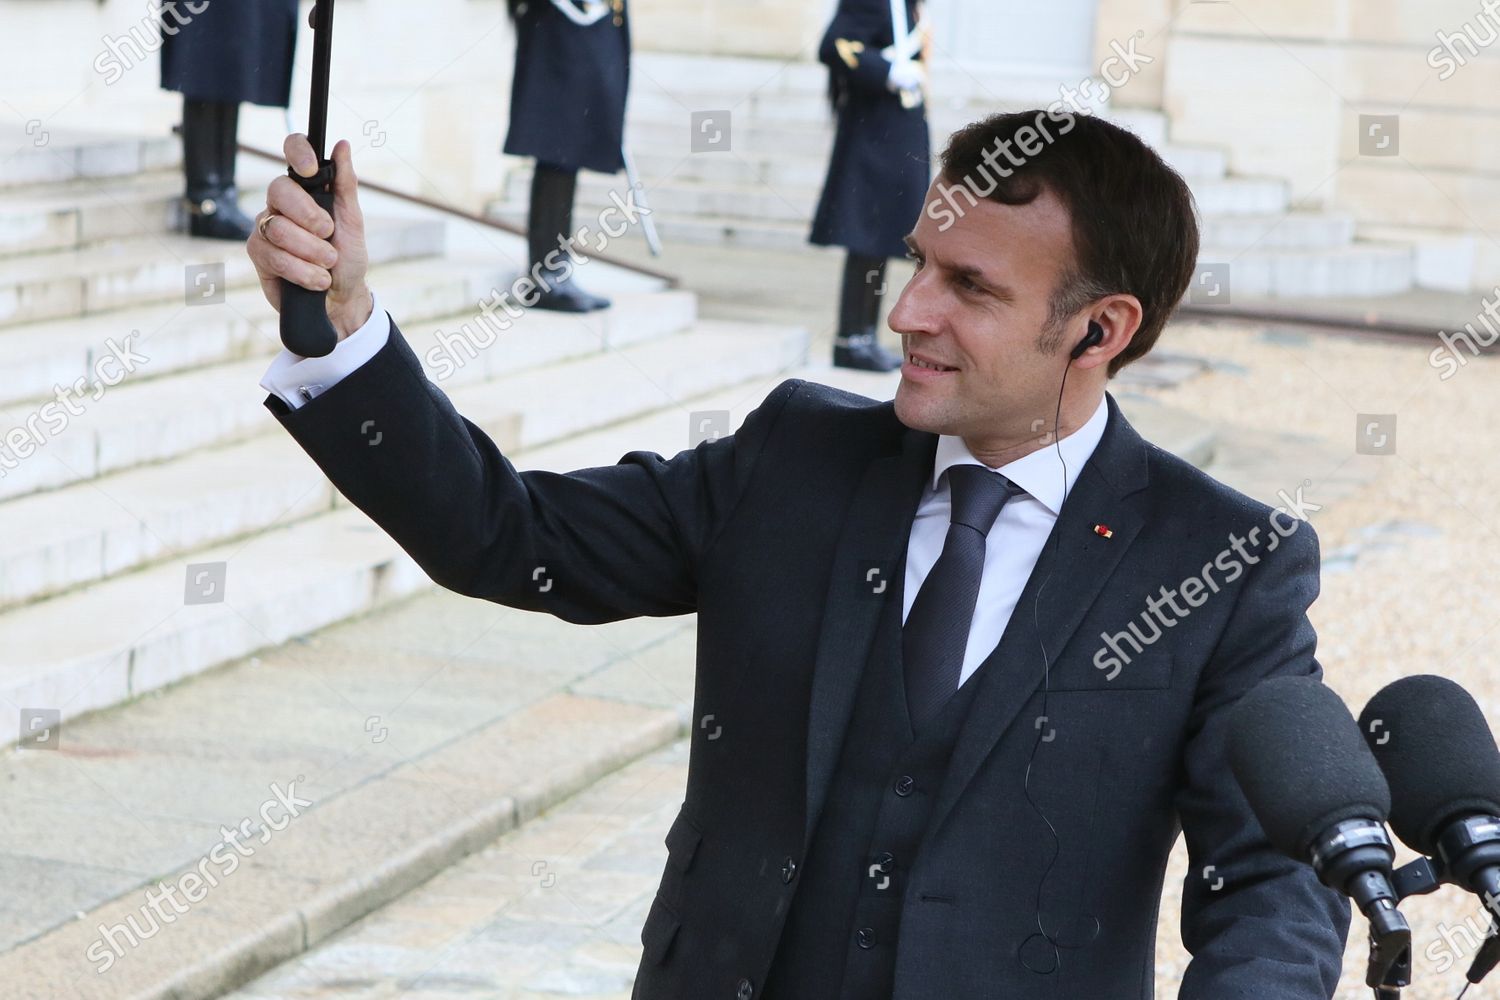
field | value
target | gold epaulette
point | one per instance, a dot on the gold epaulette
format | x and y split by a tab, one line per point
849	51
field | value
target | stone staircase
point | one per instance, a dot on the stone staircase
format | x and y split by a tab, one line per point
117	502
762	190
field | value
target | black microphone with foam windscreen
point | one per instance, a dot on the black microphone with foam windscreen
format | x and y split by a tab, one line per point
1440	760
1321	798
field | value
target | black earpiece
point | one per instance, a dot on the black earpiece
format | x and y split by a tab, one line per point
1094	338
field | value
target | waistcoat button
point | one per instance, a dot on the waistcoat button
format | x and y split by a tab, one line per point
866	937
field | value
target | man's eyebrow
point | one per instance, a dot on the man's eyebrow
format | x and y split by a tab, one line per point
970	272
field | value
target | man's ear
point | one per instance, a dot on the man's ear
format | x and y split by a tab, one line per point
1119	316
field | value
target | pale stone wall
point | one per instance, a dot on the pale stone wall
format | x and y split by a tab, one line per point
774	29
1281	84
434	87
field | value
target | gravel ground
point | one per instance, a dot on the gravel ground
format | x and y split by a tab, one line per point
1405	553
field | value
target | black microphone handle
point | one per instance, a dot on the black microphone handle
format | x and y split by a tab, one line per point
305	326
1354	857
1485	883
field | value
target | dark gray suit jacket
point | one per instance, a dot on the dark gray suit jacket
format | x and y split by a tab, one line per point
769	536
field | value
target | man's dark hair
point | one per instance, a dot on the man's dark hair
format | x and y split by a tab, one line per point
1133	221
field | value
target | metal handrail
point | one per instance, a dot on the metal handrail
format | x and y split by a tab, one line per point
671	280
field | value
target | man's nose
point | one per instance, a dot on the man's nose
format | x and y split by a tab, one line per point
915	309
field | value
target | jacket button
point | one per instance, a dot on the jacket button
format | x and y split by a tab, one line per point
788	870
886	862
865	937
904	785
745	990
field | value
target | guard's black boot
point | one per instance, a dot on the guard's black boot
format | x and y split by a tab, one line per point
859	317
550	226
564	294
207	128
860	350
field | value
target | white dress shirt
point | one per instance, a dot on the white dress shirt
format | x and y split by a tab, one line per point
1011	548
1015	540
296	380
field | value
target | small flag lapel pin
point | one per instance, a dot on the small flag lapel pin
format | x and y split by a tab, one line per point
1103	531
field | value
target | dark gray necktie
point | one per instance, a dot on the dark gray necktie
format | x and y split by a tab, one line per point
936	632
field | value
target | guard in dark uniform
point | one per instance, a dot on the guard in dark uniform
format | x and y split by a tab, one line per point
567	110
218	55
881	164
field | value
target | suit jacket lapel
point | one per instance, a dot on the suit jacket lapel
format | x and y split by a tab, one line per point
1074	565
875	533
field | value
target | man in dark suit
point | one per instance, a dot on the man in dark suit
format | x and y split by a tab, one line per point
956	734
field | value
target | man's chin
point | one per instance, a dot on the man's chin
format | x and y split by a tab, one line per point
918	413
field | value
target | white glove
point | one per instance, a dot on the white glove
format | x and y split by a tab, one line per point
906	75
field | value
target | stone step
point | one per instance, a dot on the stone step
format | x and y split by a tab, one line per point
665	79
813	139
147	269
728	76
159	419
1195	163
92	530
783	169
779	168
1240	196
47	156
781	203
104	643
760	234
1360	269
1292	231
39	218
1255	234
40	357
72	214
786	202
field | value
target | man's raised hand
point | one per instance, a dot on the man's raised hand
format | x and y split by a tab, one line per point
302	244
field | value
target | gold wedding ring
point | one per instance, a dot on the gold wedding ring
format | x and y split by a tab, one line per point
263	223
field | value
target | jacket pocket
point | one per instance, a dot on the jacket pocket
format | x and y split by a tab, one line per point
659	930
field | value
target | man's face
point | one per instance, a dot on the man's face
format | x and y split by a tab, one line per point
979	304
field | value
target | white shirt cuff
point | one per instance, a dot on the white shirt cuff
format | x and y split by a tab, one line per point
296	380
